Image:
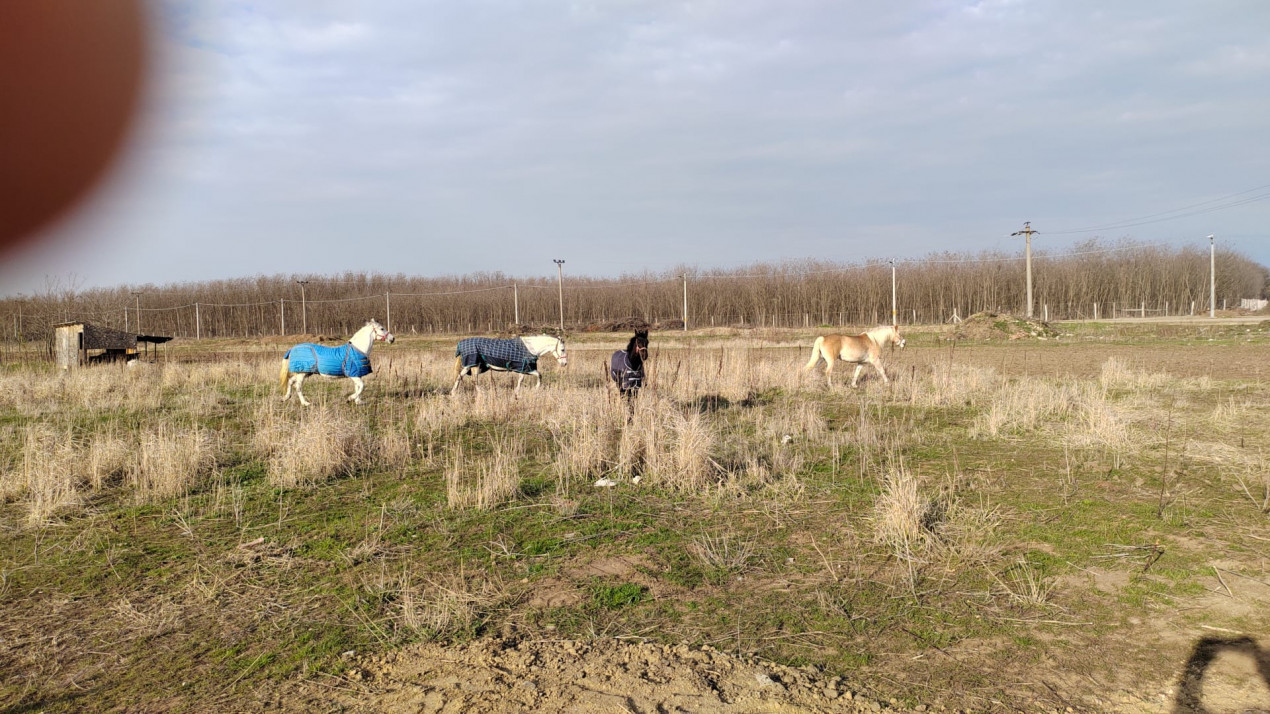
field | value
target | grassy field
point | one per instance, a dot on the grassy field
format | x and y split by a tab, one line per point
1008	525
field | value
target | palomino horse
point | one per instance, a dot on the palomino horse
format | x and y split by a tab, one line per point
475	355
860	349
626	367
352	361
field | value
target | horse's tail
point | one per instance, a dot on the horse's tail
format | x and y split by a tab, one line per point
815	353
458	366
286	368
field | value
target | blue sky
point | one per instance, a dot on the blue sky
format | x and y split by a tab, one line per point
442	138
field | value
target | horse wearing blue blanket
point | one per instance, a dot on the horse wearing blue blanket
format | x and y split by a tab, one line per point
352	361
476	355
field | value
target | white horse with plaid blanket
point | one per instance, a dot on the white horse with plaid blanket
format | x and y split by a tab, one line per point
352	361
475	355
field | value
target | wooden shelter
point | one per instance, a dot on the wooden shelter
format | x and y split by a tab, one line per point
79	343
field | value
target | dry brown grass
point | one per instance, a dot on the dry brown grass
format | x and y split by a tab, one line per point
48	478
444	606
171	461
309	447
483	482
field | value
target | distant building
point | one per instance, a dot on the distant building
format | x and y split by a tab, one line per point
79	343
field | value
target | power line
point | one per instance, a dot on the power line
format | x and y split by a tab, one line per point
1224	202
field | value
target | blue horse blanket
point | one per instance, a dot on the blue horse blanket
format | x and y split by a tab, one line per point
485	353
346	361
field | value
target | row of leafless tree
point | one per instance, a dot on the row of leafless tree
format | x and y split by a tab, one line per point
1094	280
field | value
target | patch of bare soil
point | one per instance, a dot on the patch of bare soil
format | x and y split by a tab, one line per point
611	675
992	326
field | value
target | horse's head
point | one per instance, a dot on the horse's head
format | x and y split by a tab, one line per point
638	345
381	333
896	338
558	352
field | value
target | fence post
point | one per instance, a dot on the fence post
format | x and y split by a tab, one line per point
198	324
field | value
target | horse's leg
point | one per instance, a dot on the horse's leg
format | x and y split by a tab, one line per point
358	386
287	396
856	377
519	378
299	384
878	367
458	378
829	371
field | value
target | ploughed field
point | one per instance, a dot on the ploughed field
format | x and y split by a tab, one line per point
1010	525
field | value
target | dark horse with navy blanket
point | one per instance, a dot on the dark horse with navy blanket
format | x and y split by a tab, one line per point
626	367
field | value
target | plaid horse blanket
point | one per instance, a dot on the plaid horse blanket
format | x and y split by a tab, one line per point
485	353
346	361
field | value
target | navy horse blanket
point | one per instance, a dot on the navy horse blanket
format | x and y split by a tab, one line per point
346	361
485	353
626	376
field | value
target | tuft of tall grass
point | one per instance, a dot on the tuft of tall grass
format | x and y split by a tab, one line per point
954	385
447	605
1116	374
48	477
171	461
321	443
483	482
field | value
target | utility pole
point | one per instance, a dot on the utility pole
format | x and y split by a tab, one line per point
1212	277
138	296
516	304
1027	232
895	320
685	302
304	308
560	287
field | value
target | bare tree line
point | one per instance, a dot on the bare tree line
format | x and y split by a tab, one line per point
1094	280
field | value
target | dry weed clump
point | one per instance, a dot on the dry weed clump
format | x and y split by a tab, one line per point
954	385
1080	411
447	605
48	477
109	458
729	551
919	529
1118	375
483	482
320	444
171	461
587	432
669	449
